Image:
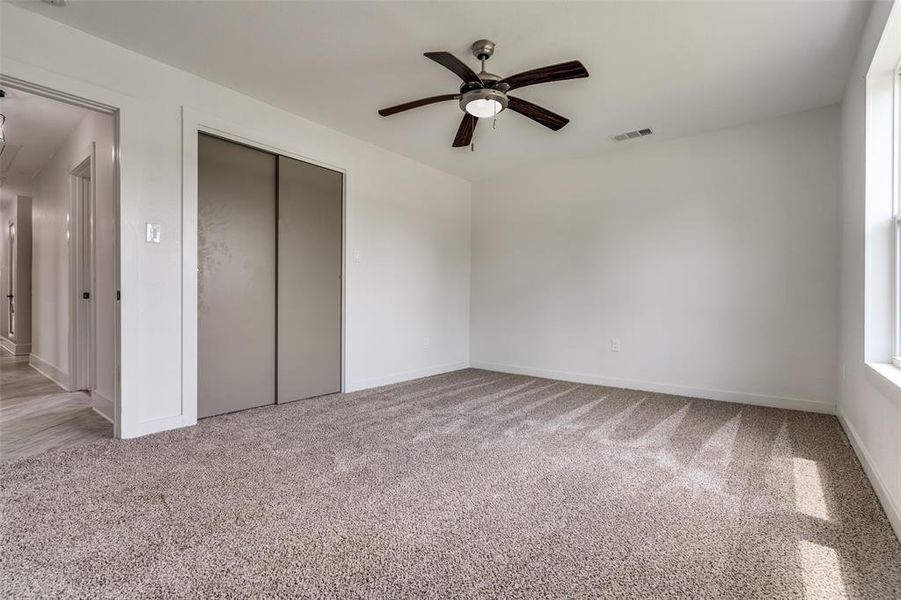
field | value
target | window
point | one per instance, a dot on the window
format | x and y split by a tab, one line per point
882	208
896	211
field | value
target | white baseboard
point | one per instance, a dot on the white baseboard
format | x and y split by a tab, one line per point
666	388
103	406
178	421
365	384
49	371
891	508
14	348
155	426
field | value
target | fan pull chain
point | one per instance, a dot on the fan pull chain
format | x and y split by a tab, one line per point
472	147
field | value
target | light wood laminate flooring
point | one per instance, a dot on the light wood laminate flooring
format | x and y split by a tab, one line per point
37	416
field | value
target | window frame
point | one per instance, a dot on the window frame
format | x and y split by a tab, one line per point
896	212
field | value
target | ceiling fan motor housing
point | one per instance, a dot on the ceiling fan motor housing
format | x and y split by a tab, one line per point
483	49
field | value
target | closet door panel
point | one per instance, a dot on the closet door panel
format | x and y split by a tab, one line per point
309	280
236	278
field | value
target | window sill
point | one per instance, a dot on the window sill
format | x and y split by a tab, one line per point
886	377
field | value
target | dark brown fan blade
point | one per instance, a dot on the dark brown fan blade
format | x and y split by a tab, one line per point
549	119
416	104
568	70
464	133
449	61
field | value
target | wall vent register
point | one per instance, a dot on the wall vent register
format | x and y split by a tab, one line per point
632	135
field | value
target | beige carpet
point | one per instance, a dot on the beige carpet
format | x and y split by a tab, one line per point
471	484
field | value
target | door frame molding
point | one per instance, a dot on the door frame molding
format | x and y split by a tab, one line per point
34	80
195	122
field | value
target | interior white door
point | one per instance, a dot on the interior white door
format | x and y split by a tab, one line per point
11	279
84	274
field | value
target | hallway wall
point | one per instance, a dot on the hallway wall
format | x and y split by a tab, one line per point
51	269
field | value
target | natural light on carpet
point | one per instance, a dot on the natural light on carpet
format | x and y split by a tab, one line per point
821	571
809	497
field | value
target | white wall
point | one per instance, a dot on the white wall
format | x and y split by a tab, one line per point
51	206
50	267
872	420
407	304
711	258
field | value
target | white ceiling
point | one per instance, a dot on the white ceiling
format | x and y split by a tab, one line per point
35	128
678	67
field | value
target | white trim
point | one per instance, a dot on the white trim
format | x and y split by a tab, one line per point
892	510
49	371
365	384
195	121
896	205
816	406
103	406
159	425
14	348
886	378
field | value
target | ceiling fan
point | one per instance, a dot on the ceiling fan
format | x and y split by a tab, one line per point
484	94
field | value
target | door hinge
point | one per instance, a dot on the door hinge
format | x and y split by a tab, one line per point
118	295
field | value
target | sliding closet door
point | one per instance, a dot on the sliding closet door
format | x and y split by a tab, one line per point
309	280
236	296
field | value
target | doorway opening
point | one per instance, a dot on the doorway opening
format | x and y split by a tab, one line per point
59	336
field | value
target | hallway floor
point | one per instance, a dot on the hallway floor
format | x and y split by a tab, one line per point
36	415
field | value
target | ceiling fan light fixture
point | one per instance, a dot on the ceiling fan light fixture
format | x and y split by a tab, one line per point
483	109
483	95
484	103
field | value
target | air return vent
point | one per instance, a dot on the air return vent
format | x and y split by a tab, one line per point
632	135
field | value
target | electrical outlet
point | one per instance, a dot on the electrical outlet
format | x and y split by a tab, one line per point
614	344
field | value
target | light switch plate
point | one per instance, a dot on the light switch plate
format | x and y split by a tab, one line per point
153	233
